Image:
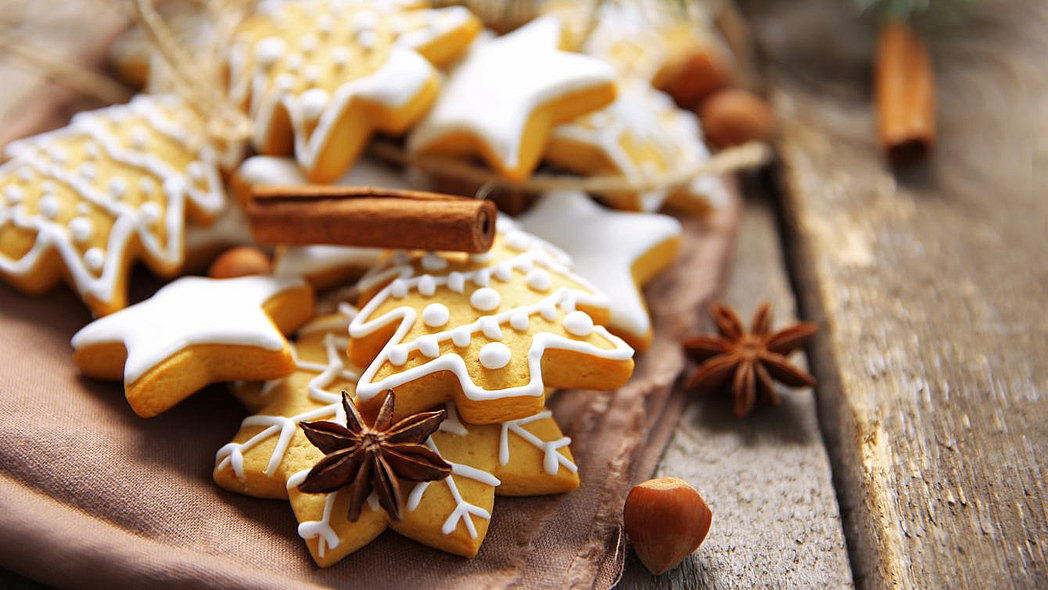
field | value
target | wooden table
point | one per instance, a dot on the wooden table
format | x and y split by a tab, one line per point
919	460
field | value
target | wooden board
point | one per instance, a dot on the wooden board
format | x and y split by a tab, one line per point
766	478
931	288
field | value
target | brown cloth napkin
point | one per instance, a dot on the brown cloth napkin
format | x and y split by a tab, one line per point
92	496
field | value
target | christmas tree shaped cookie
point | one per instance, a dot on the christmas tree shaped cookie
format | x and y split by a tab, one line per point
86	201
489	331
641	135
504	97
319	77
270	457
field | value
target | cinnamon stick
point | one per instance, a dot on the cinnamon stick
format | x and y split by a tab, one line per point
905	94
370	217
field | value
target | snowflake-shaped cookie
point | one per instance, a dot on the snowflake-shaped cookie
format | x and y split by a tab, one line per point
270	456
86	201
488	331
318	77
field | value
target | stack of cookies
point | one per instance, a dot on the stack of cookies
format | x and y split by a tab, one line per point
412	389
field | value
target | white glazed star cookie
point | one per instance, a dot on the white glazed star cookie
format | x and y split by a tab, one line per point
640	135
194	332
488	331
502	100
86	201
522	457
318	77
618	252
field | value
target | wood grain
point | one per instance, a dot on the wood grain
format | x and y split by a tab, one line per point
931	287
766	478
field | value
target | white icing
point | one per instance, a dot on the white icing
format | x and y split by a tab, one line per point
495	355
519	321
578	323
427	286
539	253
603	244
189	311
538	279
165	116
552	460
433	262
435	315
485	299
464	511
501	82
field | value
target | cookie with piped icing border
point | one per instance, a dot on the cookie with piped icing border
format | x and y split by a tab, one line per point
322	265
319	77
489	331
116	185
501	101
193	332
270	455
619	252
641	135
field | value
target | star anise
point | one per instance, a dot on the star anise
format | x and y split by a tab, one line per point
373	458
750	360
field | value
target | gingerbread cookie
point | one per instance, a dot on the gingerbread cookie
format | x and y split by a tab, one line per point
502	100
270	455
640	135
86	201
618	252
194	332
322	265
489	331
319	77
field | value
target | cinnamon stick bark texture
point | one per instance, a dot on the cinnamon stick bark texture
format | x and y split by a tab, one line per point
905	94
370	217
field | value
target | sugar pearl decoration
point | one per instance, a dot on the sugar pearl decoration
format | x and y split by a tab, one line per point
435	315
538	279
578	323
485	299
495	355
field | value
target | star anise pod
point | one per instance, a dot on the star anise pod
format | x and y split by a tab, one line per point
373	458
751	361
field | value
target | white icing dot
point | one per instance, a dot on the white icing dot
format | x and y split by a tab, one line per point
49	206
490	327
340	55
312	74
293	61
398	288
548	310
313	102
150	212
482	277
81	229
147	185
59	155
461	336
117	188
88	171
485	299
538	280
456	282
398	355
518	240
307	43
284	81
139	137
567	303
19	216
428	346
364	19
13	194
482	258
95	258
578	323
495	355
427	285
519	321
503	271
435	315
326	23
268	50
25	173
196	171
91	151
367	38
433	262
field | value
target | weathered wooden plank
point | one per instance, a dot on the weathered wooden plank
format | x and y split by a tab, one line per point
931	288
767	477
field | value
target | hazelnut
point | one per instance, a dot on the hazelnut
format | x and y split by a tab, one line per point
241	261
734	116
666	520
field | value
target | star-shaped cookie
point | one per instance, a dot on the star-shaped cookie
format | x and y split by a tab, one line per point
319	77
488	331
193	332
270	456
641	135
502	100
617	251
